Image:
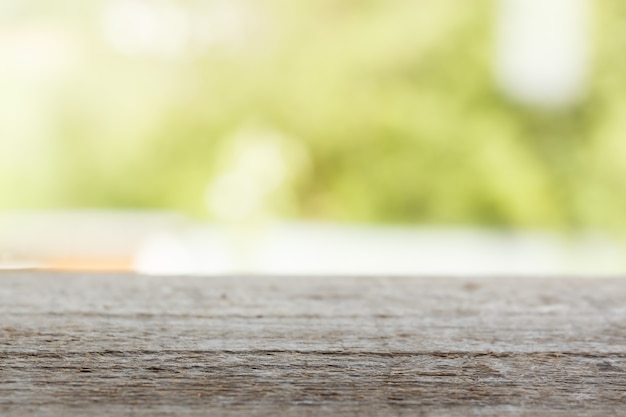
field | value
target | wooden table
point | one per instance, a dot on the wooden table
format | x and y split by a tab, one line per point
124	345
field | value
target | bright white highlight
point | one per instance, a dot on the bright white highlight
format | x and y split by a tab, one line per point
136	27
171	30
37	52
542	52
255	168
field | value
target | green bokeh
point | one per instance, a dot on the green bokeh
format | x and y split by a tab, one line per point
393	101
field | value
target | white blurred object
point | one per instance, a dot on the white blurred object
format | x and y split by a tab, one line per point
140	27
257	166
86	239
333	249
172	30
543	50
162	243
202	250
163	254
254	168
37	52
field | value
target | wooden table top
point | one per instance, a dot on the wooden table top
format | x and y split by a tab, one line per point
111	344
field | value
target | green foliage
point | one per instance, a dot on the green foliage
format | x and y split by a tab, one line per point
392	101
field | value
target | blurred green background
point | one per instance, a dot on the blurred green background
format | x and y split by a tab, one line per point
376	111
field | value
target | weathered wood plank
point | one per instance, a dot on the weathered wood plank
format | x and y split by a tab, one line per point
130	345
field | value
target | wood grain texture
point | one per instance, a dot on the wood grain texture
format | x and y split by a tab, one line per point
105	345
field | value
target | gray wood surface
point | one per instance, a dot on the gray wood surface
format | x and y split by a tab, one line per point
101	345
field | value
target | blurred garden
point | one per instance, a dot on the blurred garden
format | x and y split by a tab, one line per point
367	111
